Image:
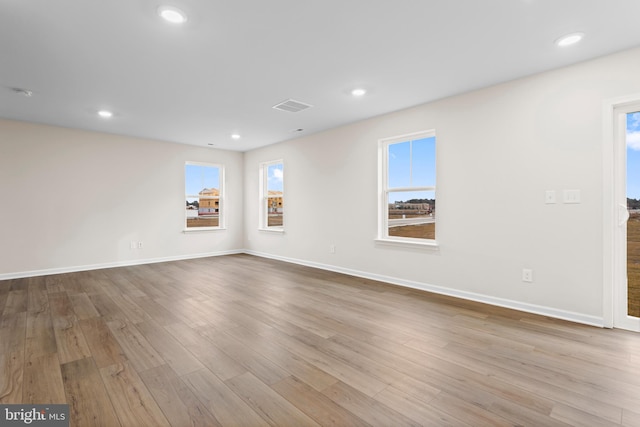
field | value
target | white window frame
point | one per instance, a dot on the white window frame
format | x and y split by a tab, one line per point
384	190
220	197
263	222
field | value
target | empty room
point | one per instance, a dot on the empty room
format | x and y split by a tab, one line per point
337	213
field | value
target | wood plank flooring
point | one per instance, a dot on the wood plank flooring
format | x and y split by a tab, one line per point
245	341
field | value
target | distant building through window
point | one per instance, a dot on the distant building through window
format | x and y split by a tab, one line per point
272	195
204	185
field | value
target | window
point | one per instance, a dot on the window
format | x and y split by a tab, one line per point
407	185
272	195
204	189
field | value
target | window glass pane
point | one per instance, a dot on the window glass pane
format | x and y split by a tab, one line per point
274	177
203	212
423	162
274	209
202	187
203	221
200	177
633	204
412	214
399	157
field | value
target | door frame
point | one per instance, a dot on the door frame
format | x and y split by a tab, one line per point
614	209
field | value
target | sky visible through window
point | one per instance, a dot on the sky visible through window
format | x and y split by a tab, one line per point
412	164
274	177
633	155
199	177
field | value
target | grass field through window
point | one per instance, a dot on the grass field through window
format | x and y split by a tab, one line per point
420	231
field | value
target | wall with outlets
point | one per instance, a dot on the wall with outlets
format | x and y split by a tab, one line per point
75	200
519	190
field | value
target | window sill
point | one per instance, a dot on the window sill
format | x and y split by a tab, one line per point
428	244
272	230
195	230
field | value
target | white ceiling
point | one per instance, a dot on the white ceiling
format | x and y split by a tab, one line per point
222	71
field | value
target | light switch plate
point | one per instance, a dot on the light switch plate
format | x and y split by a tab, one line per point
571	196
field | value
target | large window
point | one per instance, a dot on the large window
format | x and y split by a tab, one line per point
204	189
272	195
408	188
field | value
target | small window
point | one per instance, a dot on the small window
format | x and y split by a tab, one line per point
407	209
272	195
204	189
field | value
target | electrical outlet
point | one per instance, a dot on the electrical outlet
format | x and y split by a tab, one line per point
550	197
332	249
527	275
132	245
140	245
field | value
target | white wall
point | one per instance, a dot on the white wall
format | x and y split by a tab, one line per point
73	199
499	149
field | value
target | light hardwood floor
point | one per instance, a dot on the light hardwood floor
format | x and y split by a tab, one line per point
245	341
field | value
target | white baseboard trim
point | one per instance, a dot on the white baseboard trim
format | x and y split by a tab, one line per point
127	263
500	302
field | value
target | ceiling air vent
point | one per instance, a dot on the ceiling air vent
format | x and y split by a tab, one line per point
292	106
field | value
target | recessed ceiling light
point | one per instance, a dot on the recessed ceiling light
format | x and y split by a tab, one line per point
235	136
172	14
569	39
358	92
105	114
